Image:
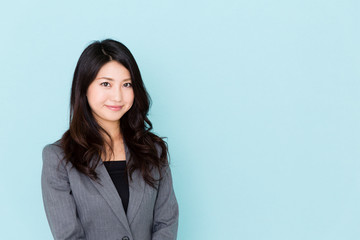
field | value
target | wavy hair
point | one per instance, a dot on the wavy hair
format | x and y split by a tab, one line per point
83	143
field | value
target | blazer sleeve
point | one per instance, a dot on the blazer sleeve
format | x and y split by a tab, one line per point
166	211
58	201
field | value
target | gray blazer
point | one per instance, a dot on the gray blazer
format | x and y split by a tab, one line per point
79	208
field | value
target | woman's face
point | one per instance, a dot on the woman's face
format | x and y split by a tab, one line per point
111	94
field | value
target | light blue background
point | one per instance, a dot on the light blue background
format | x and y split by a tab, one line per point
259	101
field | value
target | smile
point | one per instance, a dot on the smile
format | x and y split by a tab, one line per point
114	108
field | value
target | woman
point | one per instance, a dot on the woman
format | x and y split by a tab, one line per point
108	177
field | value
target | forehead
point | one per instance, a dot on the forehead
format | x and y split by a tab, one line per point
114	70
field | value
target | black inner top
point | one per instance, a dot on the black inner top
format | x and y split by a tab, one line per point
117	172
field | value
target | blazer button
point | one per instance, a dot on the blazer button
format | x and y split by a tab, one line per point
126	238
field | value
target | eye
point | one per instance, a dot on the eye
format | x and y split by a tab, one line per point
128	85
105	83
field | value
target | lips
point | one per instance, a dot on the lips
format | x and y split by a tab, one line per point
113	107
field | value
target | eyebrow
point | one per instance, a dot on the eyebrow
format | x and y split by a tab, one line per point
110	79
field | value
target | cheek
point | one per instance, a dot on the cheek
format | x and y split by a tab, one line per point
129	99
95	98
128	96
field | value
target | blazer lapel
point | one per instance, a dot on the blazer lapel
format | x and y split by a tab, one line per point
110	194
136	190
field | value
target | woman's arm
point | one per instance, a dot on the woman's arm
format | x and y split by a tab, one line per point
166	211
58	201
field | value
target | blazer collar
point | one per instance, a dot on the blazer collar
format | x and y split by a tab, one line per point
110	194
136	190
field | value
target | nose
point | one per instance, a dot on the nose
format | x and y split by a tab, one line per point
116	94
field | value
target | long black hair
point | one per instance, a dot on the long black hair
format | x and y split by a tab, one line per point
83	143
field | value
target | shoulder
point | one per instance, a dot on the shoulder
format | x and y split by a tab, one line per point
52	152
158	148
53	147
53	168
164	169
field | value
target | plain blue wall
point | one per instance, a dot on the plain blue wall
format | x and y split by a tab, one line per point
259	101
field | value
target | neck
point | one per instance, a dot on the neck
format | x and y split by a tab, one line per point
113	130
